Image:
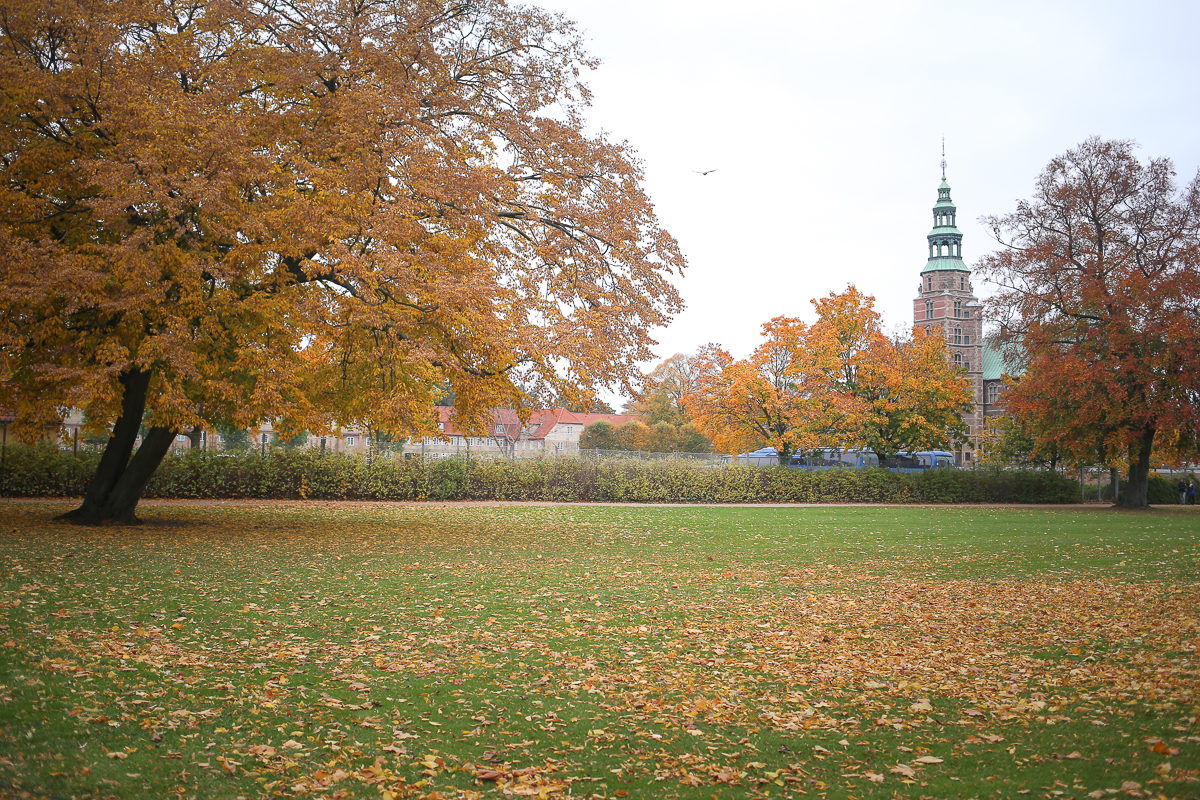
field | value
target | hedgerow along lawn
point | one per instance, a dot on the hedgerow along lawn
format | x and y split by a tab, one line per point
376	651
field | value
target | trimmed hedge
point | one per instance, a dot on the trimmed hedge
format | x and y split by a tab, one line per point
292	474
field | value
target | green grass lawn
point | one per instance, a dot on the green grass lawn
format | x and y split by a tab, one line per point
371	650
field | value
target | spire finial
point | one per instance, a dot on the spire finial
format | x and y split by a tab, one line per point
943	158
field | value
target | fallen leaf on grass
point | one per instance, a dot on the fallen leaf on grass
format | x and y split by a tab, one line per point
117	754
992	738
903	769
292	744
874	777
264	750
928	760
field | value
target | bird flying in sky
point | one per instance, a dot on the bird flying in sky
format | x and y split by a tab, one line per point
704	172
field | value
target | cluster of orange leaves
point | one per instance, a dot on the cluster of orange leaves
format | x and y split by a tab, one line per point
840	382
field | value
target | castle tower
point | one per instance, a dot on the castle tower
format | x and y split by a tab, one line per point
946	302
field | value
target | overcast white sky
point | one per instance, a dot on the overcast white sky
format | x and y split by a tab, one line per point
824	123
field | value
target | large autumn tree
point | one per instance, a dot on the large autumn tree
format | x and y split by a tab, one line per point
778	397
839	383
1099	287
215	212
906	394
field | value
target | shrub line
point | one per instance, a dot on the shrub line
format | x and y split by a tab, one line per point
308	474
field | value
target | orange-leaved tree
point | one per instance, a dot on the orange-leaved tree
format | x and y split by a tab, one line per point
777	397
318	213
897	395
916	395
1099	290
840	383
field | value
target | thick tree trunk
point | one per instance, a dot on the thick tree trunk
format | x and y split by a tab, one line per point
120	445
113	494
1137	490
123	499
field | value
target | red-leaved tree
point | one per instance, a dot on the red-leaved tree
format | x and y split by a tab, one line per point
1099	289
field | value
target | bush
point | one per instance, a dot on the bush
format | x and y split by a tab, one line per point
44	471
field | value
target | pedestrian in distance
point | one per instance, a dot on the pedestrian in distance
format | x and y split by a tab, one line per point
1182	492
1191	494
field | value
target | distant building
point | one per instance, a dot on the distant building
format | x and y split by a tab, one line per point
946	300
549	432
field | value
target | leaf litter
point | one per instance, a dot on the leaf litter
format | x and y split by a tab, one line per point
383	651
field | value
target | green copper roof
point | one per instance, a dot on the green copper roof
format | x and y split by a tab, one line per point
944	195
945	263
944	230
994	365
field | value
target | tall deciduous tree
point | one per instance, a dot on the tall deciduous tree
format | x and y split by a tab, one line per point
776	397
219	212
917	397
839	383
1099	284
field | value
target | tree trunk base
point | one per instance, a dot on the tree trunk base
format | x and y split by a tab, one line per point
80	516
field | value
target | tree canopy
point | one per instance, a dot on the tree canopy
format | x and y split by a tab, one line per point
1099	290
837	383
322	213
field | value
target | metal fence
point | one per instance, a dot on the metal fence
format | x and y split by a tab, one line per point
643	455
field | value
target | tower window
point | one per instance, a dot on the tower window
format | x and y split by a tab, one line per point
929	282
958	337
958	359
929	304
958	308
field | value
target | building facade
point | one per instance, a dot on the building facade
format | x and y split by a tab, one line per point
946	306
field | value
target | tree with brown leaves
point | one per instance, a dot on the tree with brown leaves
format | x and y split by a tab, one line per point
217	212
1099	288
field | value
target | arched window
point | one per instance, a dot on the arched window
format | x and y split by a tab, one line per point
958	308
958	359
927	330
929	281
957	335
929	304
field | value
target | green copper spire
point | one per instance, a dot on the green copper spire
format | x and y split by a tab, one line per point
945	240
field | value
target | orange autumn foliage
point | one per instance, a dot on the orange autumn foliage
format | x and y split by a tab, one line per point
839	383
319	212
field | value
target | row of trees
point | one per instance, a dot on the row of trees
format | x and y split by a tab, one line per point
840	382
657	437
